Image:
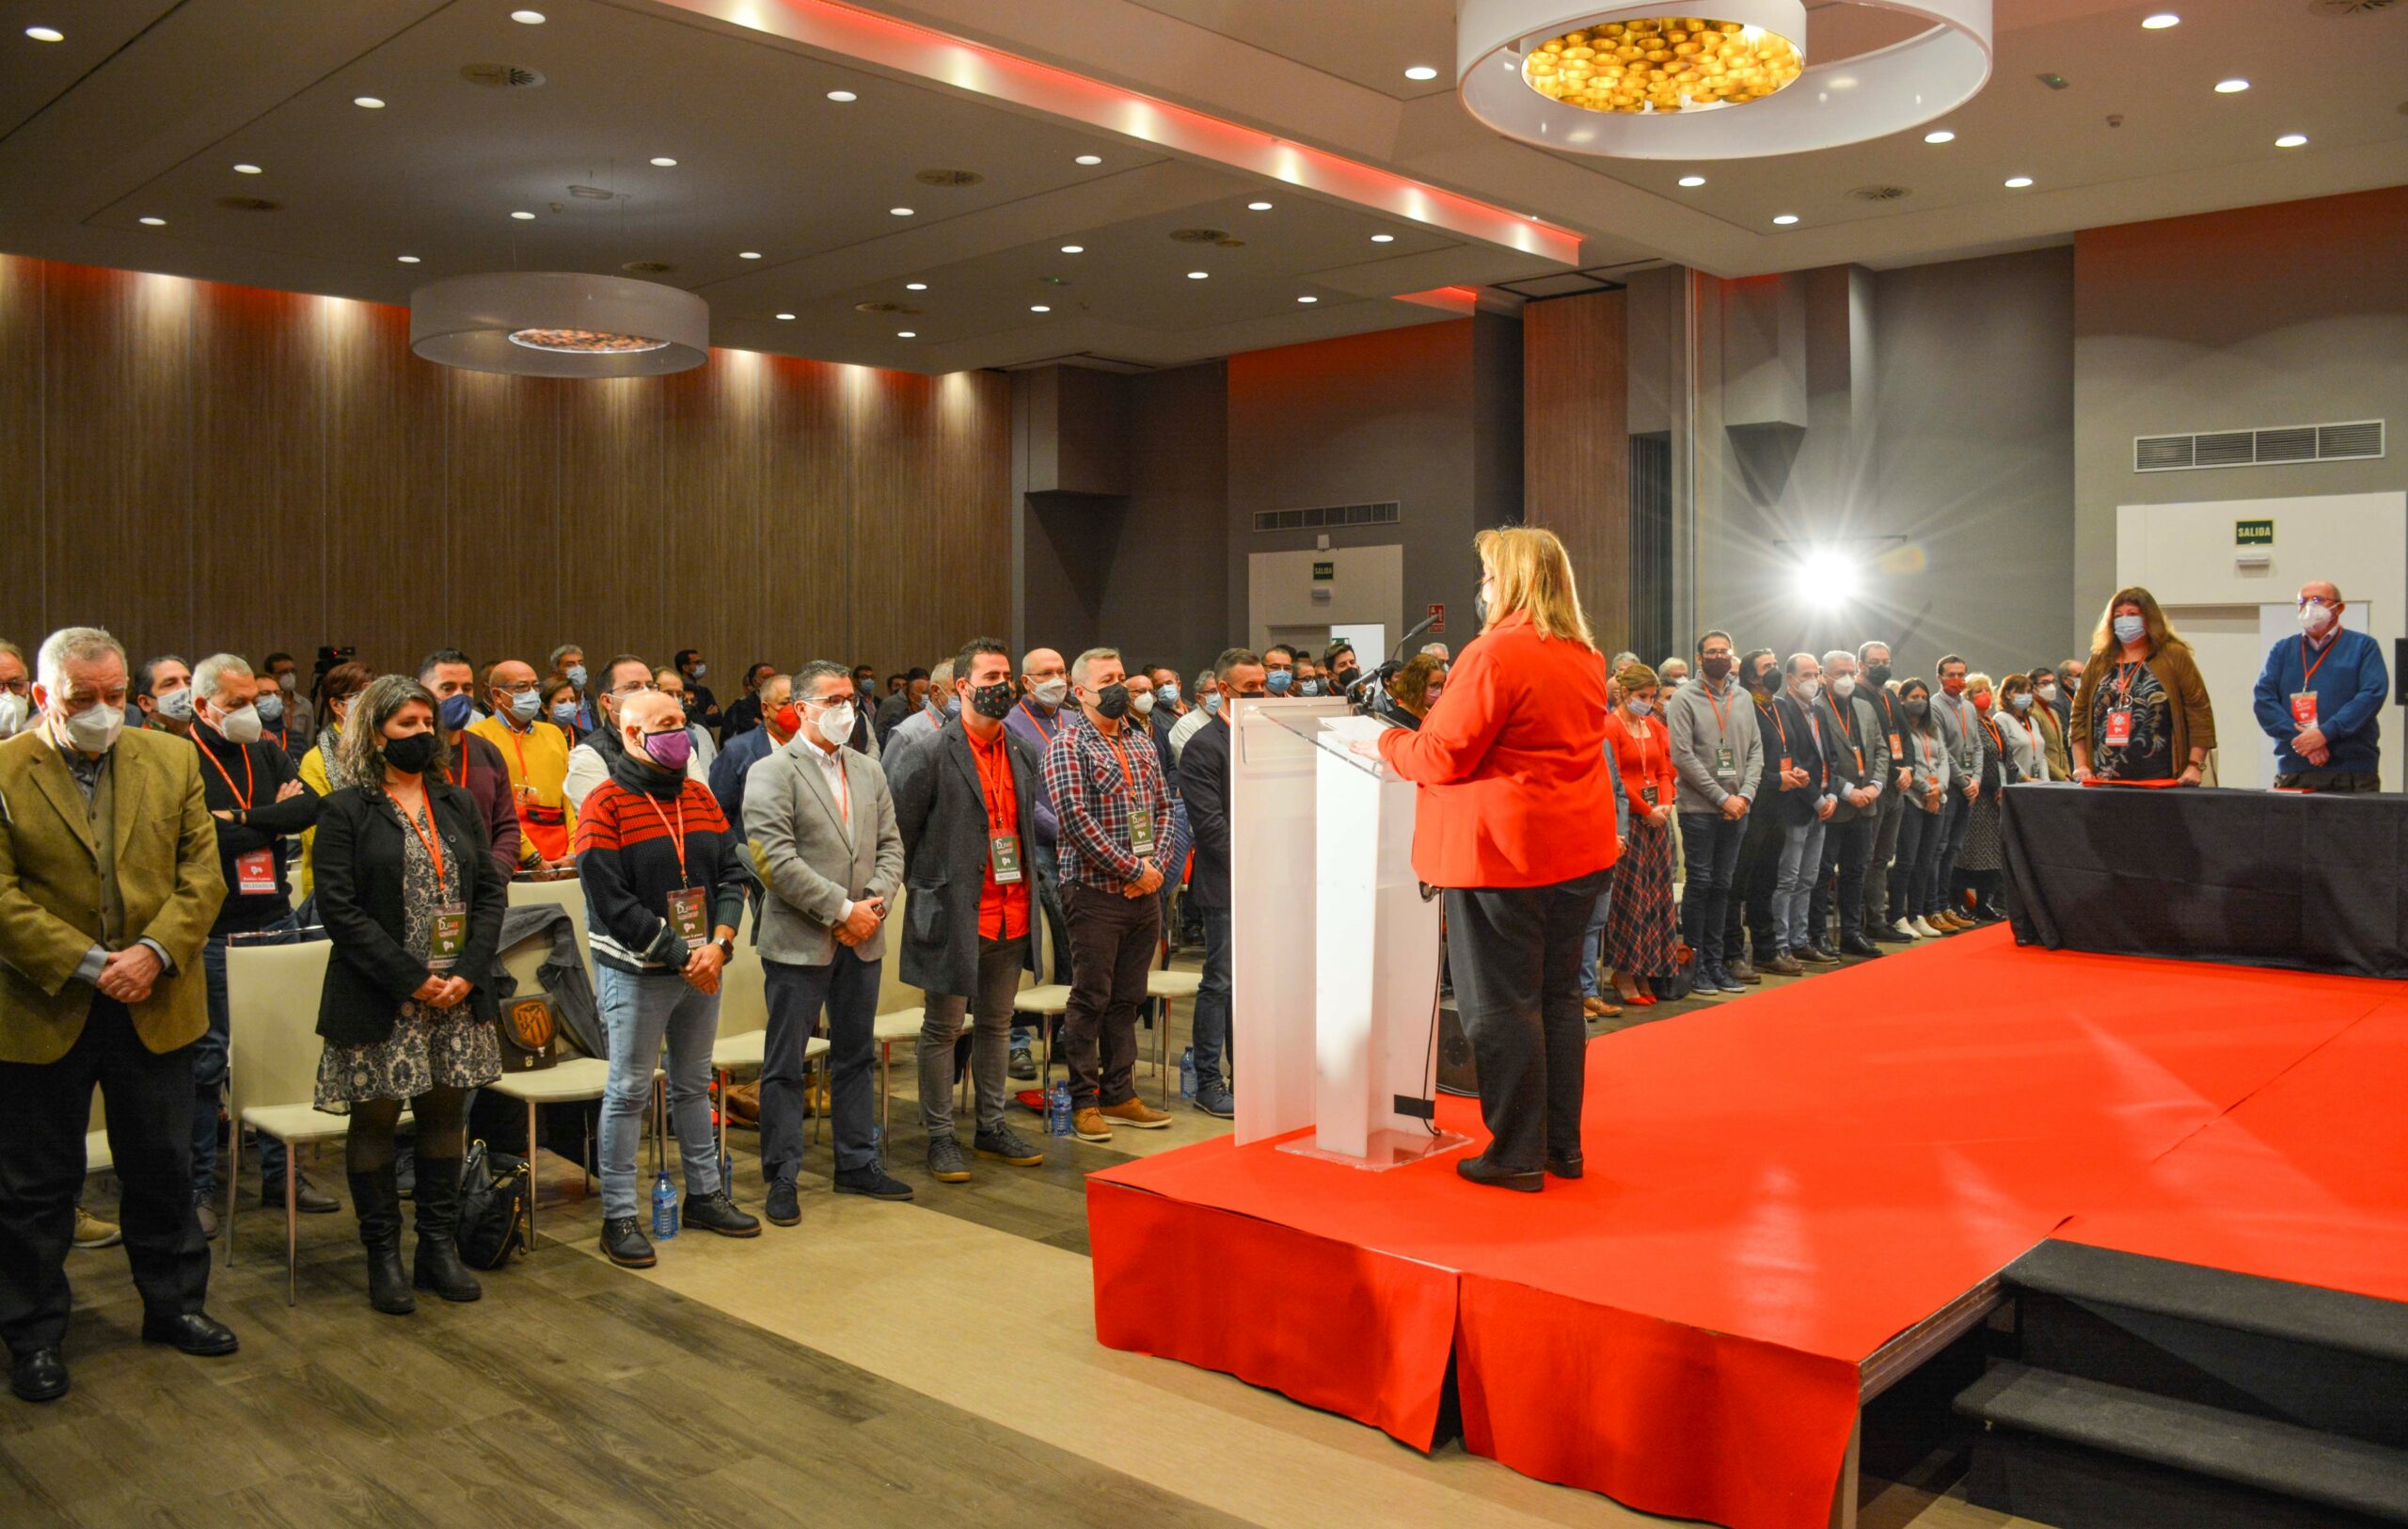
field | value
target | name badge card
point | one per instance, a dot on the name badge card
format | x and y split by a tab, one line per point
1141	829
1727	767
1647	794
688	918
2303	708
255	871
1003	855
449	935
2119	729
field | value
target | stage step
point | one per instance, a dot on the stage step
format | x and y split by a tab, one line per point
2080	1453
2318	1359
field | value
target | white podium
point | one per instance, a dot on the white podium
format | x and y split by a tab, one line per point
1333	962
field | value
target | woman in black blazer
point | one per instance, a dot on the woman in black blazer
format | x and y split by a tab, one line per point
411	896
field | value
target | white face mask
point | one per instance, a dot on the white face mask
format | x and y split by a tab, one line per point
700	669
240	726
2315	616
94	729
1051	691
176	705
288	683
1142	703
1844	687
1808	689
836	724
2049	695
12	713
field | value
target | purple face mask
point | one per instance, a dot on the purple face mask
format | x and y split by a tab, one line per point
671	750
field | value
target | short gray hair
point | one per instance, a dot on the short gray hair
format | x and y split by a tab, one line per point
1092	655
806	679
1835	654
71	645
564	651
939	674
209	671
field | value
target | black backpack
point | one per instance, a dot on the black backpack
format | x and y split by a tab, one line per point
495	1189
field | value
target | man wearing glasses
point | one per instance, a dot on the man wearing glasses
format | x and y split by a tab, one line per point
535	753
2320	699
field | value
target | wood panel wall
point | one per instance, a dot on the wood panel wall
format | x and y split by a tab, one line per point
200	467
1576	446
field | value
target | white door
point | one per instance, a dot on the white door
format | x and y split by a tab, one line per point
2224	639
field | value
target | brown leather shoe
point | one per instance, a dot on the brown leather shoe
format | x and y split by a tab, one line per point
1088	1126
1136	1112
1594	1008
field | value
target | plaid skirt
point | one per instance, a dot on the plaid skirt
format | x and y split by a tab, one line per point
1641	927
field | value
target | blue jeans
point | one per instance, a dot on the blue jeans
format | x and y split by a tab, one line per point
1592	942
209	1059
638	1011
1801	861
1212	1035
1710	852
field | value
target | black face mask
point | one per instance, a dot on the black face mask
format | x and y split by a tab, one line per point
1877	674
1112	702
1917	710
1347	676
411	755
1715	667
1763	682
994	702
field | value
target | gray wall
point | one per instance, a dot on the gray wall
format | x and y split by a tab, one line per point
1168	591
2290	314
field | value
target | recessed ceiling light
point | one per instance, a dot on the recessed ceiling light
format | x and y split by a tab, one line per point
2291	140
527	18
900	212
1421	71
524	217
2232	86
664	162
406	260
154	222
915	286
1785	219
747	254
2159	21
1692	181
1309	299
786	317
1090	159
2016	183
1197	276
1939	135
842	96
371	103
246	169
1038	308
1257	207
45	34
907	334
1384	238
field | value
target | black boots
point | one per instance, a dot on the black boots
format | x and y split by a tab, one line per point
379	1205
439	1265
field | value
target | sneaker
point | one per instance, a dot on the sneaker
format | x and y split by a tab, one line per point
872	1182
1905	928
1705	983
1217	1102
625	1244
1136	1112
1926	929
91	1231
1006	1145
718	1212
1088	1126
204	1209
782	1207
308	1198
1730	983
945	1163
1023	1066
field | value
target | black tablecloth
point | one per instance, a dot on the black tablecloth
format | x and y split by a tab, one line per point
2258	878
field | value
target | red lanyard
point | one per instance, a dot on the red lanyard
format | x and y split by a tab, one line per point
1039	722
433	841
250	782
677	834
2311	668
1645	772
1721	723
995	779
1125	774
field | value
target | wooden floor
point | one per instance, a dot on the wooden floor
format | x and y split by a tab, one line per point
929	1364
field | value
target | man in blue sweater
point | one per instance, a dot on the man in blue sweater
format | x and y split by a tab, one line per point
2320	699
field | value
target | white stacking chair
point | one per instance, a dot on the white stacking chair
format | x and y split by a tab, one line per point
273	1047
901	1009
1164	987
1045	1002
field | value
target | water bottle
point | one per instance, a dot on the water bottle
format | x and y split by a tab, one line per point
878	1141
1187	1074
664	1207
726	1174
1058	1109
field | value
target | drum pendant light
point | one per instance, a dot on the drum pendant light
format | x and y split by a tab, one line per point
560	323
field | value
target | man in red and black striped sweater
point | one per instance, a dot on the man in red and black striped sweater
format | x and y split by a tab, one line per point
665	882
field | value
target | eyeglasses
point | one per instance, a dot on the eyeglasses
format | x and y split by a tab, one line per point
517	690
2313	599
16	687
637	689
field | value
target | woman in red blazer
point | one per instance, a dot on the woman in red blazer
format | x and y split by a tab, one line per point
1516	819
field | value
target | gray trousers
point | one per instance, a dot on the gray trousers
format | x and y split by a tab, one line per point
999	969
1878	914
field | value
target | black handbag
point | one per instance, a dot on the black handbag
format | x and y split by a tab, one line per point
495	1190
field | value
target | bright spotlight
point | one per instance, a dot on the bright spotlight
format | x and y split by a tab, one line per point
1826	578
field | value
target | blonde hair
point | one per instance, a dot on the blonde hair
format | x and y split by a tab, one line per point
1530	574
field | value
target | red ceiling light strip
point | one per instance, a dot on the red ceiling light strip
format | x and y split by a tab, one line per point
981	71
1449	300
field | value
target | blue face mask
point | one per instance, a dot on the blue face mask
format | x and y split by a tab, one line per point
576	673
455	711
524	705
1640	709
1279	681
270	706
1310	687
1168	691
2131	628
1212	704
564	713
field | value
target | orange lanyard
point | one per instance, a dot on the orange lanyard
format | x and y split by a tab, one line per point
2311	668
1039	722
1721	723
250	782
995	779
677	834
433	841
1773	706
1646	770
518	746
2125	674
1128	777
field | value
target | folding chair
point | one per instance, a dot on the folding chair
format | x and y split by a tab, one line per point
271	1070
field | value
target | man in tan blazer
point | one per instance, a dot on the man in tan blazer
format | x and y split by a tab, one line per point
108	884
831	858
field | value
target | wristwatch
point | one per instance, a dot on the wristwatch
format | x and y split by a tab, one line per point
727	948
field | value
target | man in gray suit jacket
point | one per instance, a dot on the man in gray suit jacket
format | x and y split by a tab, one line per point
825	843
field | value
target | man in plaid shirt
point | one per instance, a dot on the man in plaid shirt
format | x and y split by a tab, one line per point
1106	783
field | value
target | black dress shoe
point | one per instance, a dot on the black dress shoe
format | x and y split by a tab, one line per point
718	1212
625	1244
1564	1167
37	1376
1478	1171
1859	947
874	1181
191	1333
781	1206
1886	934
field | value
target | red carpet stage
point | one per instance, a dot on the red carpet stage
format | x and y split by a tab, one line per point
1782	1192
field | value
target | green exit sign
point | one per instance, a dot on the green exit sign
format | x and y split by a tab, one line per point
1325	572
2253	534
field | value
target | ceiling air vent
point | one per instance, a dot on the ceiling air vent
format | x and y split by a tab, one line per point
1882	193
2351	439
249	204
647	267
1198	236
591	193
2349	8
948	177
1324	515
885	308
500	76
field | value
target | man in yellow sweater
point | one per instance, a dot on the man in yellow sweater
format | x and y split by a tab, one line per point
537	755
